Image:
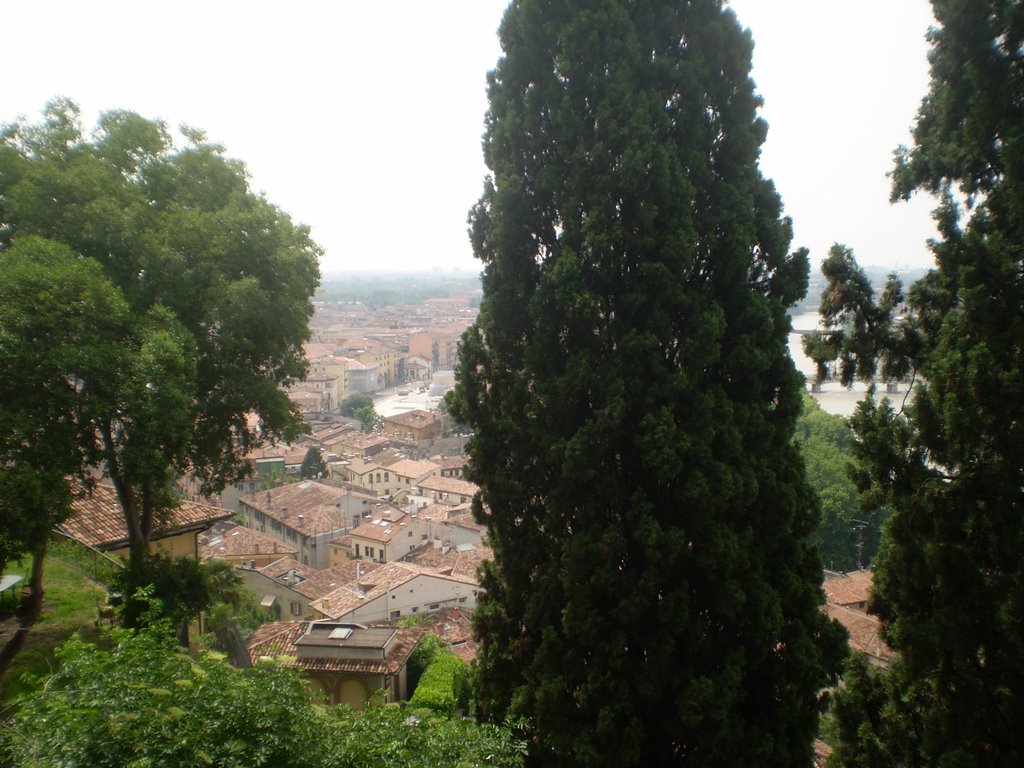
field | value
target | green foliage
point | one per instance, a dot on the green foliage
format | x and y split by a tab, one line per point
368	418
949	579
352	403
313	465
180	584
653	597
274	478
868	733
861	333
390	736
71	608
429	646
440	686
179	303
146	702
98	566
59	319
847	536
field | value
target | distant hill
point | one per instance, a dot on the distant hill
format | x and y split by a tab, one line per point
397	288
876	274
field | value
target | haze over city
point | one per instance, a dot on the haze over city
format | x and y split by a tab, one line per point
364	120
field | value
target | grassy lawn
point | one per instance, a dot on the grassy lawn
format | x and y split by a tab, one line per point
69	605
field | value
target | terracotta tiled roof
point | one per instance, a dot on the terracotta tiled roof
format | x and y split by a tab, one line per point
97	520
381	529
416	419
362	441
413	469
225	540
455	626
387	578
849	589
327	580
360	466
454	462
450	485
315	350
864	631
330	433
278	569
307	507
461	562
435	513
279	639
448	514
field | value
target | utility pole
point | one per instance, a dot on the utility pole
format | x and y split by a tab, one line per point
858	526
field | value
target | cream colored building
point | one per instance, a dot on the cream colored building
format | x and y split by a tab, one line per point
395	590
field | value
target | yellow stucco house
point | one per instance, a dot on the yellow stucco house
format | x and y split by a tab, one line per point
97	521
348	662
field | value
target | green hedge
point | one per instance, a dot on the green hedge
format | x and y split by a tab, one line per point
440	687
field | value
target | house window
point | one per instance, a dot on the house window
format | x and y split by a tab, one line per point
395	614
410	534
296	609
385	477
434	606
415	610
369	552
462	599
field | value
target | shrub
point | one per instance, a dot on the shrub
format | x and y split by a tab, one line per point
440	687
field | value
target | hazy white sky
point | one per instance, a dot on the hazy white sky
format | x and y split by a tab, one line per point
363	119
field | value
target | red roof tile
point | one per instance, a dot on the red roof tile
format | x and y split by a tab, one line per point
97	519
225	540
849	589
864	631
279	639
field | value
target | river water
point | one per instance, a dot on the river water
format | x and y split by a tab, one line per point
833	397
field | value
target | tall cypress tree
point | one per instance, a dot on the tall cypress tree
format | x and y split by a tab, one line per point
950	581
653	598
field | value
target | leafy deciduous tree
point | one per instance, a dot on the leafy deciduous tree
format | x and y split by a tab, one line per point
368	418
653	598
60	322
213	284
350	404
848	535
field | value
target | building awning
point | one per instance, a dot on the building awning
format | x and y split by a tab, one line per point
268	601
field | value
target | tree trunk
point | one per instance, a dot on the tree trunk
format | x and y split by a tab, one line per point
27	612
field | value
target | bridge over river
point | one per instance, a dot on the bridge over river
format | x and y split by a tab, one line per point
832	396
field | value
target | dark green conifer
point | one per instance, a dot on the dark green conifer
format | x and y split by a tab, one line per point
653	598
950	580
